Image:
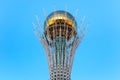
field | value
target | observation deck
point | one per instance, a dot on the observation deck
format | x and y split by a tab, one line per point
60	23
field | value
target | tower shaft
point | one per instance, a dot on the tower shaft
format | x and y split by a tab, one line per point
60	54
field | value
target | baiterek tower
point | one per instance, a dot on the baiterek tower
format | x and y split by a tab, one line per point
60	39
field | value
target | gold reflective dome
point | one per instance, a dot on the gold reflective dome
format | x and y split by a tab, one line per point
67	17
60	20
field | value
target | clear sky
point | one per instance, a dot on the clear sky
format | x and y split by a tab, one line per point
22	57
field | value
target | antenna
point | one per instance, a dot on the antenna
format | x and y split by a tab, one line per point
54	7
39	23
44	12
76	13
37	31
82	34
81	23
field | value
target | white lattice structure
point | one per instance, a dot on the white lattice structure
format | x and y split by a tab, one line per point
60	39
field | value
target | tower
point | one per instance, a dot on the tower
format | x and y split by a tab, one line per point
60	38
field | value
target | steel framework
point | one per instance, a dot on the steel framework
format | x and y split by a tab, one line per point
60	40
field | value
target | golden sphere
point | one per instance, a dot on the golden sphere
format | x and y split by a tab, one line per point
60	23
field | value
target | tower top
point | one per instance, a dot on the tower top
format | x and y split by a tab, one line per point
60	14
60	21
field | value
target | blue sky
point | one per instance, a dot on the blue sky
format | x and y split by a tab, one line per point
22	57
